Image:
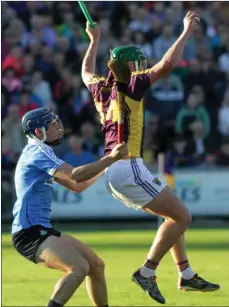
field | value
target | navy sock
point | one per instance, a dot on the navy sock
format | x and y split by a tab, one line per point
53	304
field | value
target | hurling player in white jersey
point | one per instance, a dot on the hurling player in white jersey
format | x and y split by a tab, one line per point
32	233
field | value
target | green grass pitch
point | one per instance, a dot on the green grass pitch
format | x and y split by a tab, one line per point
26	284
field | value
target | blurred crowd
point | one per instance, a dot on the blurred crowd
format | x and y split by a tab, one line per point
187	113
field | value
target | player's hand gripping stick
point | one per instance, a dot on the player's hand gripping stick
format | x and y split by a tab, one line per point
122	73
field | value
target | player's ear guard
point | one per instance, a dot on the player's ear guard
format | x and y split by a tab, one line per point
121	72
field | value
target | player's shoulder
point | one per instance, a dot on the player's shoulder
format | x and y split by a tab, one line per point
140	72
95	79
39	151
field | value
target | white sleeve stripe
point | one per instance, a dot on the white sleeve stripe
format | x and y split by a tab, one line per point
51	171
52	156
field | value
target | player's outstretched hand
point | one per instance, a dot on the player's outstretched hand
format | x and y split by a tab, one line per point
119	151
93	33
190	21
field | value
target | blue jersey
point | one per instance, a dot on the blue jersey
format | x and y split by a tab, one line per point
34	185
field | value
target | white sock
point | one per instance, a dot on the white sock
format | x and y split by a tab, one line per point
188	273
146	272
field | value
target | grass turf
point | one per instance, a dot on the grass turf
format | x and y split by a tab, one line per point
26	284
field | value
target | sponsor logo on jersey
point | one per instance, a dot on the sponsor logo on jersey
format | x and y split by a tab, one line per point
157	181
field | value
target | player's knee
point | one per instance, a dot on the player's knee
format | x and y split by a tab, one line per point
80	268
186	219
97	268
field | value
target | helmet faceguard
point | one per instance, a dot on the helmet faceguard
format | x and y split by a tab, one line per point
129	54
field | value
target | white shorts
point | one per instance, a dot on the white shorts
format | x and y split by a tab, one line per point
132	183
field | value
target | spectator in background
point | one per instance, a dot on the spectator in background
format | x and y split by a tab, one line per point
81	96
11	82
193	112
159	10
141	18
9	155
212	77
169	94
28	67
140	41
107	41
175	9
63	88
65	29
44	62
154	29
48	31
178	156
12	130
76	40
34	49
223	155
58	67
71	55
41	88
223	115
163	42
195	75
196	145
210	160
154	140
5	102
198	38
224	59
77	156
41	31
90	143
26	104
15	61
14	32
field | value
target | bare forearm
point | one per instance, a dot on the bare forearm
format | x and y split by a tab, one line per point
86	184
87	172
74	186
174	54
89	61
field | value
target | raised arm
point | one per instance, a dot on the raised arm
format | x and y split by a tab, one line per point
174	54
79	178
89	61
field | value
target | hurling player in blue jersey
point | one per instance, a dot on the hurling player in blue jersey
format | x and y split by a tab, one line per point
33	235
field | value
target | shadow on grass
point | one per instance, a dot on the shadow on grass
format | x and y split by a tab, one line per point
128	246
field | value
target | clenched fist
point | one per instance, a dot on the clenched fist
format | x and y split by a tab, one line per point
93	33
190	21
119	151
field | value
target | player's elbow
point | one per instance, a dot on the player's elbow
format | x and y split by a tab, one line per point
78	177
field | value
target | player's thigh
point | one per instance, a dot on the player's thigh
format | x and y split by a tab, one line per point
168	205
58	253
94	261
132	183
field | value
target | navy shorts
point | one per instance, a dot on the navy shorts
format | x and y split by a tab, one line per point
27	241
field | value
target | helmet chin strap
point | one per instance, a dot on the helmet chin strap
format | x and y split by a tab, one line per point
53	143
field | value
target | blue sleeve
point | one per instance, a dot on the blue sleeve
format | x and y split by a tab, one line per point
46	160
